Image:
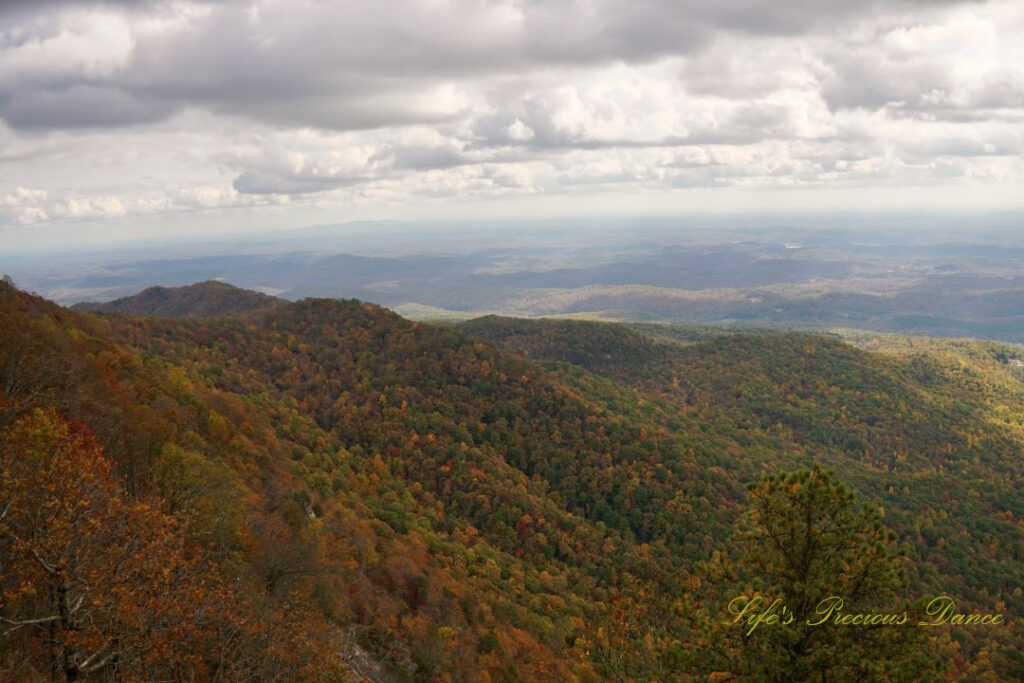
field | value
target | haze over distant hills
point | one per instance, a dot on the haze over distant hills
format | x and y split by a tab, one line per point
947	281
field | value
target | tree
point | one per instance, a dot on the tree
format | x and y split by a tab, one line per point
96	584
784	604
91	580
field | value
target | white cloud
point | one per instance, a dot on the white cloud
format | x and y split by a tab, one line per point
23	196
186	108
77	45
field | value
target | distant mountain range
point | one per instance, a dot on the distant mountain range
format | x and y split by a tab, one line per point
810	280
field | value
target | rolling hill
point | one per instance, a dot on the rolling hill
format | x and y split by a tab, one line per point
201	300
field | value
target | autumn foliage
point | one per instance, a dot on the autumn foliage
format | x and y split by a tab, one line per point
96	584
322	489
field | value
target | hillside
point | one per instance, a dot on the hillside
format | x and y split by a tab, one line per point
449	506
201	300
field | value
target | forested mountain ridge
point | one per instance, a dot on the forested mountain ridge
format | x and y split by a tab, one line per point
446	508
934	436
201	300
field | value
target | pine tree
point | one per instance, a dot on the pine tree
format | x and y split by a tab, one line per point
782	605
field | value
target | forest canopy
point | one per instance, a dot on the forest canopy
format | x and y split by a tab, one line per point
324	489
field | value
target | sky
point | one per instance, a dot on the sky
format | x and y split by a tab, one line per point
136	118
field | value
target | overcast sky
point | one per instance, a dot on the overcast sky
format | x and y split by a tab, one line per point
148	117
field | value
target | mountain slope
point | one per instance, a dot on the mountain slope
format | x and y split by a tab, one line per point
935	438
451	508
402	554
201	300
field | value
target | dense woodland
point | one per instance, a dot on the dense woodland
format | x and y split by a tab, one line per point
202	300
322	490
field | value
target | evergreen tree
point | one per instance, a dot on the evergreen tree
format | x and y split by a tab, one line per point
784	604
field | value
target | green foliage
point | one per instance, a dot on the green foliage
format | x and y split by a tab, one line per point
203	493
443	507
810	560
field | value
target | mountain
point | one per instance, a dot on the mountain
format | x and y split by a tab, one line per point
201	300
926	432
935	282
514	499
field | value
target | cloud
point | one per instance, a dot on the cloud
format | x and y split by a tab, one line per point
35	205
361	64
64	51
297	163
423	157
89	208
81	106
1002	88
284	182
182	106
24	205
17	6
872	82
957	67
